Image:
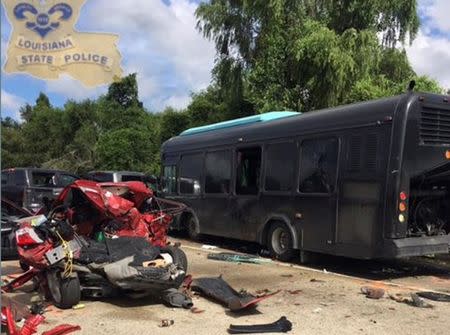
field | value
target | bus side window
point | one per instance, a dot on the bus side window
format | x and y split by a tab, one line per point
280	165
191	167
318	165
248	170
170	179
218	172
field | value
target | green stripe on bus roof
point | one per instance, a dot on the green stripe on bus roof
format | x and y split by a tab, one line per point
265	117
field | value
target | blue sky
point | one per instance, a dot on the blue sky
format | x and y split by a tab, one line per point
158	40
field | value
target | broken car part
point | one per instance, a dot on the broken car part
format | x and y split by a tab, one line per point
177	299
414	300
220	290
282	325
32	321
441	297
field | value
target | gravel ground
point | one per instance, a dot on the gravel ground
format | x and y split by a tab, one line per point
316	301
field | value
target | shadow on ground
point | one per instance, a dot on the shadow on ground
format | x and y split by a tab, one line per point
380	269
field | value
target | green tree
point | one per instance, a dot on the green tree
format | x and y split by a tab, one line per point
124	149
306	54
124	92
12	143
172	123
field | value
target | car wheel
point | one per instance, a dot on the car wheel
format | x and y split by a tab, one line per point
178	256
65	292
280	242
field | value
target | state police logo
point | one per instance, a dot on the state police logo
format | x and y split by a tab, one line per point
45	44
42	22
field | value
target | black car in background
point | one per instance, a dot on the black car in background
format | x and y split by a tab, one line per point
10	213
28	187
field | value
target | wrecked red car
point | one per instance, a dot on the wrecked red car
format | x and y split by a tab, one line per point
99	239
117	209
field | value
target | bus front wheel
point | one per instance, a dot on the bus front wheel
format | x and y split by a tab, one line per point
280	242
191	229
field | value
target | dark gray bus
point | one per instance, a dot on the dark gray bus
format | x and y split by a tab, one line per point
367	180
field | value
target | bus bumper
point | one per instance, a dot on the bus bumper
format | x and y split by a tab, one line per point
417	246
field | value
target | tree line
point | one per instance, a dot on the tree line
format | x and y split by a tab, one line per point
298	55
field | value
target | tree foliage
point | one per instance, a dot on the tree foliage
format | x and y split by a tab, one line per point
307	54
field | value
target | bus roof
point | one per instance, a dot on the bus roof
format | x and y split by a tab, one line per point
265	117
312	123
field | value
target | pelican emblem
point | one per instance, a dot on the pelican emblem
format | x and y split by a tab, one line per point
40	22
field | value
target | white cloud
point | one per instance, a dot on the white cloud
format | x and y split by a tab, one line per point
161	43
437	12
176	101
72	89
10	104
430	55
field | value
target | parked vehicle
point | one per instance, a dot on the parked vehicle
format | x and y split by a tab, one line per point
367	180
94	241
10	213
31	187
119	176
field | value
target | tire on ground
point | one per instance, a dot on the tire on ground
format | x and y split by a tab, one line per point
280	241
178	256
65	292
179	259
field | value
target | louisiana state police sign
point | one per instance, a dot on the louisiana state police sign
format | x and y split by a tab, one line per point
44	43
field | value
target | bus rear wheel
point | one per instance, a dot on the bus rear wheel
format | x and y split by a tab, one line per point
280	242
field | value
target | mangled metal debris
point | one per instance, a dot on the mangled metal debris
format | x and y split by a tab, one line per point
32	317
282	325
99	239
435	296
219	290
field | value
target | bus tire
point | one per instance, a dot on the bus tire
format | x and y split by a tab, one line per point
280	242
191	228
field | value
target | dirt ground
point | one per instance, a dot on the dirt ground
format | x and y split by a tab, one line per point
315	300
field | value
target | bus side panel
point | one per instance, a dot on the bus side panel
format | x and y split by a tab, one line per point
361	189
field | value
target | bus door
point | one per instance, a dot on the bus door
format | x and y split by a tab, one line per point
245	202
216	213
316	203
